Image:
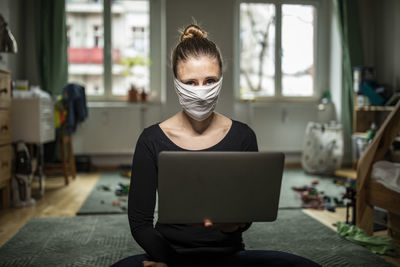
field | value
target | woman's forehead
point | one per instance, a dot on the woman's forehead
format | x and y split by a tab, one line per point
198	67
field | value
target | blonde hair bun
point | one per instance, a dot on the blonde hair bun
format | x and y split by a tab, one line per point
194	43
193	31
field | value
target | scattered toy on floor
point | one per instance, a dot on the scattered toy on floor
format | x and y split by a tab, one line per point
338	202
299	189
104	187
338	182
126	174
350	196
330	208
310	196
122	189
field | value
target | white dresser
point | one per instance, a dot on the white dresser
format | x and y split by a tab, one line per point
32	120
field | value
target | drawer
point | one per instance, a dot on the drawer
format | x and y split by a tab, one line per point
5	126
47	131
5	162
5	89
5	103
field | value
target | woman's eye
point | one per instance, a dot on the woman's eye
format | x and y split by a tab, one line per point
192	83
210	81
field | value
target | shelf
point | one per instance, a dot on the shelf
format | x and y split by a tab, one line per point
375	108
360	134
364	135
346	173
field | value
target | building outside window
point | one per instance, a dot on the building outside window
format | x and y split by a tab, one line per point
278	50
130	46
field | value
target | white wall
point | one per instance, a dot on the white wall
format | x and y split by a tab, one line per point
112	129
216	17
380	26
5	11
380	32
279	126
22	65
381	38
387	42
367	20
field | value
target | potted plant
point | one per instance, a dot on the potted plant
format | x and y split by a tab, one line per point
135	93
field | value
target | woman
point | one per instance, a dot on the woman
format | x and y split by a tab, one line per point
197	67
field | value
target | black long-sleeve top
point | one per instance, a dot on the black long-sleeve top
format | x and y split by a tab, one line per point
164	241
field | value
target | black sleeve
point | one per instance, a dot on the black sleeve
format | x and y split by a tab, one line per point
141	203
250	144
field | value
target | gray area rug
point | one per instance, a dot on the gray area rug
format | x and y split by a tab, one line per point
100	201
103	240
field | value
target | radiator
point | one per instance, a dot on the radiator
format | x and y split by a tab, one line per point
111	129
281	126
115	128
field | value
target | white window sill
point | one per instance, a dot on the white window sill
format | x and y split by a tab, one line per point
119	104
282	100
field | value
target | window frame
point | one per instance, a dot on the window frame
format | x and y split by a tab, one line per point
157	49
278	97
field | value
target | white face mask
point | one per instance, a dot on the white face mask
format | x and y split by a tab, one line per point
198	101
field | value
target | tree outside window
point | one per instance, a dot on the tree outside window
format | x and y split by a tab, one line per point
277	50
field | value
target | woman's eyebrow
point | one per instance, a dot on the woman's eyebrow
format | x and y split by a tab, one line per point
195	79
187	80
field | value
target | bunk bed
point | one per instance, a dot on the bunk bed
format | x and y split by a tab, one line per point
371	193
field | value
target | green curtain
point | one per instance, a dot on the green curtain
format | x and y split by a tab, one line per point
352	55
51	44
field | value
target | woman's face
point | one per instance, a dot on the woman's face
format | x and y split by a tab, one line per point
198	71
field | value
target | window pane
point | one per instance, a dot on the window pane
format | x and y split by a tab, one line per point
130	41
85	44
298	33
257	50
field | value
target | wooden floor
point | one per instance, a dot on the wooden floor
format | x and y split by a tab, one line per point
330	218
63	201
58	201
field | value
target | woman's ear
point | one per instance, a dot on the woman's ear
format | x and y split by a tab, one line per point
207	223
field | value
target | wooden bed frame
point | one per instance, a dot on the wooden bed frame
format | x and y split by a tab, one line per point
371	193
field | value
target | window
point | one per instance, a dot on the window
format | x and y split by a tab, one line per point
277	50
109	46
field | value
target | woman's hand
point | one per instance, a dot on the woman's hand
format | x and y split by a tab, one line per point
224	227
154	264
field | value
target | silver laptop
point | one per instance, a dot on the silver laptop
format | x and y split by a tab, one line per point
221	186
